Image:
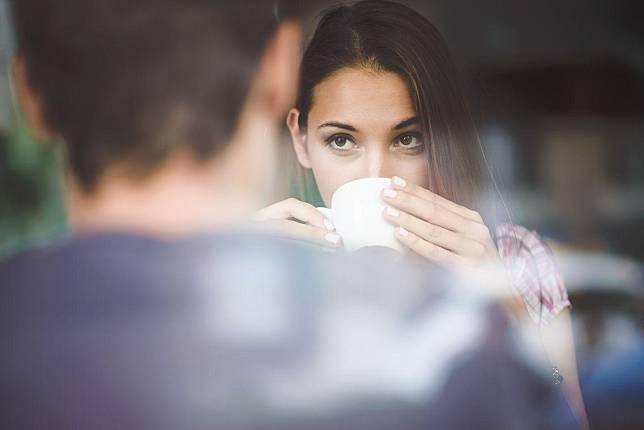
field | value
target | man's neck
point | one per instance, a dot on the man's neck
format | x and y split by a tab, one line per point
183	198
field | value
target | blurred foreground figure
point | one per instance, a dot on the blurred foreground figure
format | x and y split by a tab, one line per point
223	331
155	313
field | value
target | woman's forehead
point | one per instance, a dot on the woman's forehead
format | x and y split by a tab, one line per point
359	96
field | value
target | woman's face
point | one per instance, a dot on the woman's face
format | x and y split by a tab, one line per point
361	124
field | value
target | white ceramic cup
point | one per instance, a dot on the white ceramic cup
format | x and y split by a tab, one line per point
357	213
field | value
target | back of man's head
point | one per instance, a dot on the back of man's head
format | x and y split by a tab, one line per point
131	82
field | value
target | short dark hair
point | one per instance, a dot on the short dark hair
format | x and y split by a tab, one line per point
131	81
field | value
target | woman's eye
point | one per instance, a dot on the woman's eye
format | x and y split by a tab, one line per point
340	143
409	141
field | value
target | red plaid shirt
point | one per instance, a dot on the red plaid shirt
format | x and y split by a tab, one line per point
533	270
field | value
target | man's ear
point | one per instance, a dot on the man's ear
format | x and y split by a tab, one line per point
30	103
275	83
298	137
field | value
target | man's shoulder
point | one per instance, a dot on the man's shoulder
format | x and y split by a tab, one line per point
102	257
30	263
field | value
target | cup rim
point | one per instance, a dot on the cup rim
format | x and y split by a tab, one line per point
368	179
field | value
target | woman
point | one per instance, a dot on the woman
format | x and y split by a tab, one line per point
378	98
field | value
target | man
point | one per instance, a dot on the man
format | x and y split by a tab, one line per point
155	313
146	97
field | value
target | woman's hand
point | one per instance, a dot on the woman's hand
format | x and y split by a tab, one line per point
436	228
298	220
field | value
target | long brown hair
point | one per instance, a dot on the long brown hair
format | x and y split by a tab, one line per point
387	36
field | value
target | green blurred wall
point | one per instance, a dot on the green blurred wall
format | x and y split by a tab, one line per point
31	205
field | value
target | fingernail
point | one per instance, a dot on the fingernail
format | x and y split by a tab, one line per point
399	181
333	238
402	231
392	211
389	193
329	225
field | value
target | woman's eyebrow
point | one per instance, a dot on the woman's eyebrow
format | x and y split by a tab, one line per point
338	125
406	123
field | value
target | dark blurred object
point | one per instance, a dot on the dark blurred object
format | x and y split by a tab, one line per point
20	190
627	236
605	88
612	377
614	390
607	293
611	326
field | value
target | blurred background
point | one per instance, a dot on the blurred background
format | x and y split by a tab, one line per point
557	88
31	207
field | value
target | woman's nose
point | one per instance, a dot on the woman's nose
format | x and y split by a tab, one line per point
378	163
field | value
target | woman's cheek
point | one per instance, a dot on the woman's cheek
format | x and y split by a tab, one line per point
328	171
328	181
415	171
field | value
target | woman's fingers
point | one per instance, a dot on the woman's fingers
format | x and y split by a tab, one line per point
296	209
311	225
433	213
308	233
459	244
399	183
428	250
435	227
